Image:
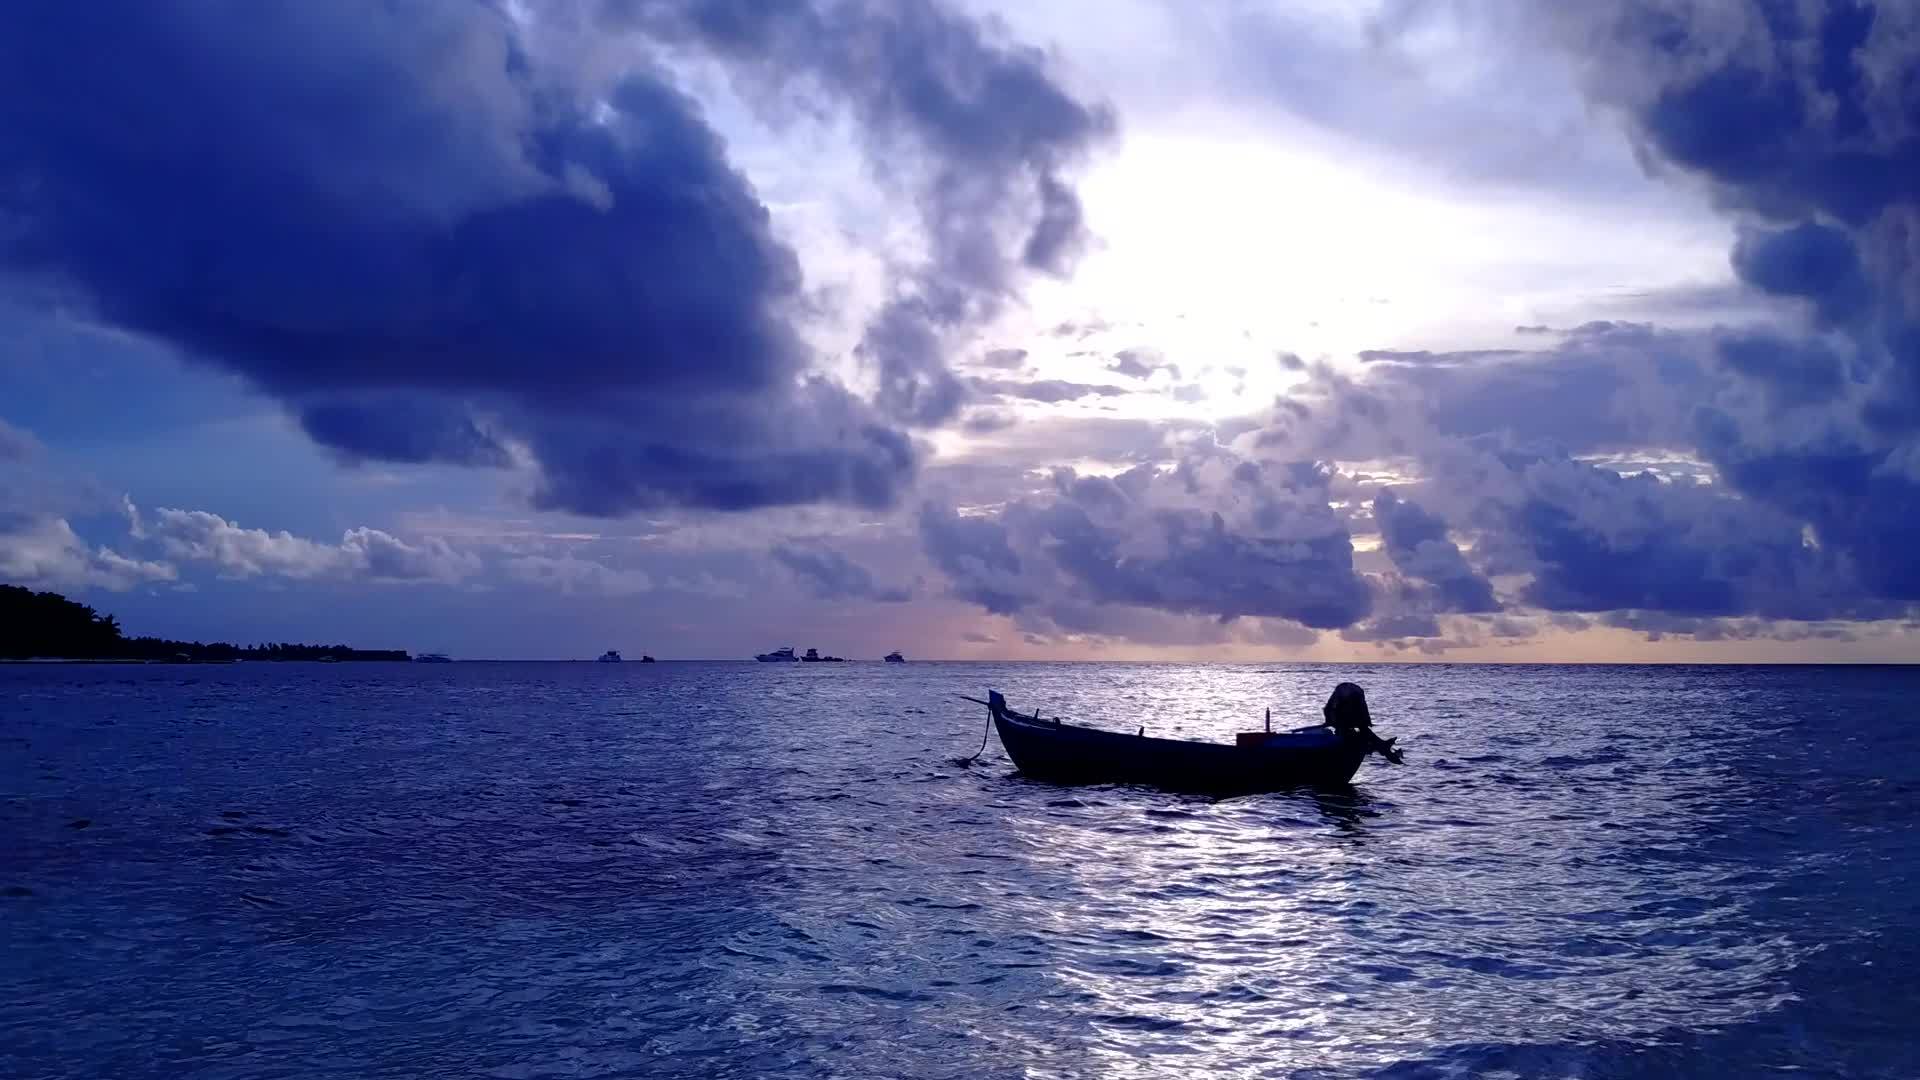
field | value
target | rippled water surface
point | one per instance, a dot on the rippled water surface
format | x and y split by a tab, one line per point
578	870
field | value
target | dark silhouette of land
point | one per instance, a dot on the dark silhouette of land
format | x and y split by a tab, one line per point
48	626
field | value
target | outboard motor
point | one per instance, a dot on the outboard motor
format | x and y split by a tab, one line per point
1346	712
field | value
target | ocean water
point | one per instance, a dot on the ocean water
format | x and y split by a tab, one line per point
741	870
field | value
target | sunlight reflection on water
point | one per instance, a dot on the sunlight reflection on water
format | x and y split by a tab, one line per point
715	870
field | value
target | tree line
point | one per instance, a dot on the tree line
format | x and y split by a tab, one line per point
47	625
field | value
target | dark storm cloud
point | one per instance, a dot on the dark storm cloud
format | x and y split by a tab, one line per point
978	122
433	249
1418	544
1793	372
1807	109
1208	538
830	575
1855	499
1393	628
1493	439
412	429
1815	262
1607	386
1805	120
824	447
1601	541
1585	537
977	558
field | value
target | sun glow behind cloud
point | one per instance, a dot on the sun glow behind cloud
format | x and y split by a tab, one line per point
1229	234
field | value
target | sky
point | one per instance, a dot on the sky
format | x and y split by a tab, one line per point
1400	330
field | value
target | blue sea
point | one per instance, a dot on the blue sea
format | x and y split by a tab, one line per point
740	870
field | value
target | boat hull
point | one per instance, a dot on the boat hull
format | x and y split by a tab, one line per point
1063	753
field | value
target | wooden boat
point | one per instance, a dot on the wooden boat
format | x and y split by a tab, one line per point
1258	761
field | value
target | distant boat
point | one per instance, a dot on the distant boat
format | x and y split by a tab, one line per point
611	656
813	657
777	656
433	658
645	659
894	657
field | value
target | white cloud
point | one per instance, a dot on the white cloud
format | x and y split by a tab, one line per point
384	557
362	554
45	551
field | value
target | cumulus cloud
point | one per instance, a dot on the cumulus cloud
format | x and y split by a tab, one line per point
1606	387
1418	544
434	246
363	554
1602	541
830	575
1394	627
38	545
46	552
1211	537
1545	482
1800	120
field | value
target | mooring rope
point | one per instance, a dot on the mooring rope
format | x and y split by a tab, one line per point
984	735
